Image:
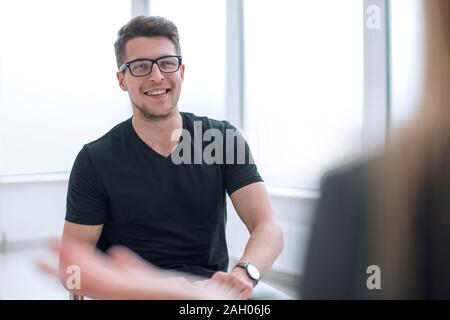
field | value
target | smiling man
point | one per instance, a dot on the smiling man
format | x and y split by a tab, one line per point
124	188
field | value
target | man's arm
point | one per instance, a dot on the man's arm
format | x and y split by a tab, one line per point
121	274
252	204
87	234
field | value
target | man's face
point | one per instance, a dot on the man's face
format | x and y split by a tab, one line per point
145	92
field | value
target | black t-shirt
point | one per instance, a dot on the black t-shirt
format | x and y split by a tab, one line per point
172	215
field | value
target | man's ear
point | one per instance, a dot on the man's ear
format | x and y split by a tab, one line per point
122	82
182	72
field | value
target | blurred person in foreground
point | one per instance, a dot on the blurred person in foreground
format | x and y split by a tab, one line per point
392	212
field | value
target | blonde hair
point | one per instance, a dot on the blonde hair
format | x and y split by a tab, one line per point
416	161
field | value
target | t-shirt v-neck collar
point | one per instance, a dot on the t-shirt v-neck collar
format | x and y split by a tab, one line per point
145	146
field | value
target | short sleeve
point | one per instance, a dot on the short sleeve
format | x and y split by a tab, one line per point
240	168
86	200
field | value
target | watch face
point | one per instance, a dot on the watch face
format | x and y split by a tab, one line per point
253	272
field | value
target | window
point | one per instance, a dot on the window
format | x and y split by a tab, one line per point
203	41
58	88
407	32
303	108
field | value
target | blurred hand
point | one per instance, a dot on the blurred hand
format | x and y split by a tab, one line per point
228	282
121	274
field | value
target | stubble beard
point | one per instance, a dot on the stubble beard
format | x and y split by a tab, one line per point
147	115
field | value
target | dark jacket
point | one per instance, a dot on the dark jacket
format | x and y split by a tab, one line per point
336	261
332	259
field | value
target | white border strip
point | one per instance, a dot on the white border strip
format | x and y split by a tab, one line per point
294	193
376	74
139	7
235	63
35	177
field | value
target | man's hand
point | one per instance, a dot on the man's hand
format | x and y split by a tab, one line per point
242	274
242	288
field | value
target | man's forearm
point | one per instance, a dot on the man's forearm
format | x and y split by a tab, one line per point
264	246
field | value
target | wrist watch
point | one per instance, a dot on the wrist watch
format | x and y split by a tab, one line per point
252	271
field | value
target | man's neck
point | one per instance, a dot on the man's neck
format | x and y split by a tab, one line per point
159	133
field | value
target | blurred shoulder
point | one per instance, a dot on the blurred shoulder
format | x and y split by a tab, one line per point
350	175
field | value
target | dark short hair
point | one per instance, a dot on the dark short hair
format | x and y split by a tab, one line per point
145	26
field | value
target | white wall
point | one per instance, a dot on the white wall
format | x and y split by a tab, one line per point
295	215
32	210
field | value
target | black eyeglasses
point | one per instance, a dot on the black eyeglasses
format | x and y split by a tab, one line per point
143	67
